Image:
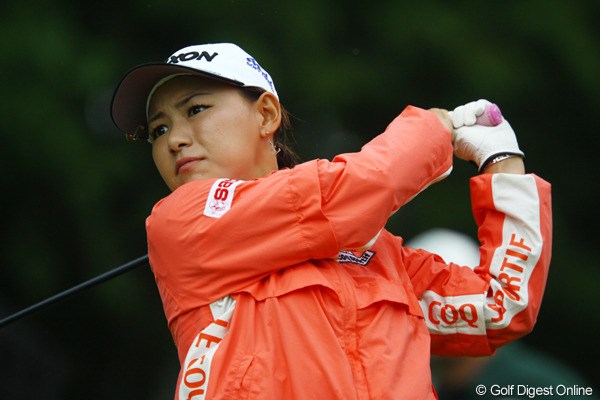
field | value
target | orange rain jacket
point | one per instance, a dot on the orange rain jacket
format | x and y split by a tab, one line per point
289	287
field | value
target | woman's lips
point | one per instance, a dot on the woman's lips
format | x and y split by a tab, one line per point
185	164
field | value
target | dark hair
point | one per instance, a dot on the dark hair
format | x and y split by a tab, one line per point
286	157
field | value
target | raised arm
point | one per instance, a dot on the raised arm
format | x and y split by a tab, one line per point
473	312
215	237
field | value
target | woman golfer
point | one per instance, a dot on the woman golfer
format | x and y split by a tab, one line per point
280	281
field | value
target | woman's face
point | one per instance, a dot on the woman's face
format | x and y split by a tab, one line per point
203	128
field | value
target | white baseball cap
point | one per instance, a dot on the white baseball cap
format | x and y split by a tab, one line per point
223	61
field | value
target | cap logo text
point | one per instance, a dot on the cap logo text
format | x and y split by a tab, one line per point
252	63
192	55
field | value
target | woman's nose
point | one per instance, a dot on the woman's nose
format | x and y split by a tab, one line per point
179	137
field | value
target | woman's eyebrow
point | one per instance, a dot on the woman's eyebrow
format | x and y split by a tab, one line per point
178	105
188	98
155	117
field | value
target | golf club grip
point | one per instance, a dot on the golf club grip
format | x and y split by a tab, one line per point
492	116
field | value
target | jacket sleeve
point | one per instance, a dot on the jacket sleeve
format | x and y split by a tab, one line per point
211	238
472	312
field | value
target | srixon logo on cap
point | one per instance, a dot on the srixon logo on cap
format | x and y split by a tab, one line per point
252	63
192	55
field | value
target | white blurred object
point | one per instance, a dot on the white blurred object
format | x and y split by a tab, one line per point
451	245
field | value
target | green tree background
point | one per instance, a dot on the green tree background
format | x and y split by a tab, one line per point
75	194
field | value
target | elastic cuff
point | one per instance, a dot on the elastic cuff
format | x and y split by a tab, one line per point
497	158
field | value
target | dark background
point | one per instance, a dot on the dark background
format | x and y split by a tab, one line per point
75	194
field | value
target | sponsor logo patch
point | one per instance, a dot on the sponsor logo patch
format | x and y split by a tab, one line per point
220	197
192	55
349	257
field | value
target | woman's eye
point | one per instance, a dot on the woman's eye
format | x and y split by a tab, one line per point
196	109
157	132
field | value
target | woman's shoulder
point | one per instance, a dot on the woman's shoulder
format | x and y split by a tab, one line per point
184	198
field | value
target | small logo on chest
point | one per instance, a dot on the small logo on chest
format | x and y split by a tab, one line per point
350	257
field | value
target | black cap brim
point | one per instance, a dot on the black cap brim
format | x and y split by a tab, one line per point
128	106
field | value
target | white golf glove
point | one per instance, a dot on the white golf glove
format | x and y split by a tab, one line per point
478	143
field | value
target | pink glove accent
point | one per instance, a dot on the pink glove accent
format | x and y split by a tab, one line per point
492	116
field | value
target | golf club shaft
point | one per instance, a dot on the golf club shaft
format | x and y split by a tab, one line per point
138	262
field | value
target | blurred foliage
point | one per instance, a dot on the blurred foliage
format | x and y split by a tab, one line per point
76	195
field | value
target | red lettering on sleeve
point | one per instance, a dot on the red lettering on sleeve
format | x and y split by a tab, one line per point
432	314
512	289
514	267
221	323
520	243
498	306
449	314
194	377
221	194
513	253
226	183
210	339
468	313
453	312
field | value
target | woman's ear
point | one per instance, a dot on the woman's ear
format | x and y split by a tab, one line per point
270	113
